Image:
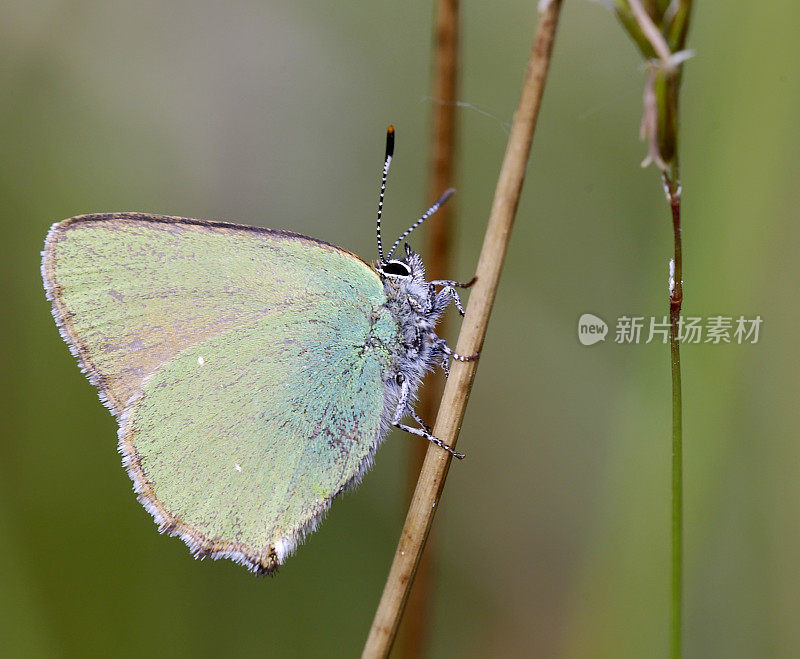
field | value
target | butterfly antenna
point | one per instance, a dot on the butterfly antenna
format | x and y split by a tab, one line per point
436	204
386	162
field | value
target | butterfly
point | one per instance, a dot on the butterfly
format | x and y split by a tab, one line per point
253	372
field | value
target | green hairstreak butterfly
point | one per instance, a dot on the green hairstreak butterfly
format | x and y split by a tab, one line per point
253	372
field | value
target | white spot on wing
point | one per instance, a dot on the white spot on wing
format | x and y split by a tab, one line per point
238	467
200	360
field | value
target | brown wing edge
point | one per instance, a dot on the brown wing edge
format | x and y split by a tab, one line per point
263	561
63	317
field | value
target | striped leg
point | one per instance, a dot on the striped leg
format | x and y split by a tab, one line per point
399	413
442	345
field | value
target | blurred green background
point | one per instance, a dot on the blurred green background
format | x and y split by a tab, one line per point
554	533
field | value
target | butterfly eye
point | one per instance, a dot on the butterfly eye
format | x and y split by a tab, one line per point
396	268
399	378
432	288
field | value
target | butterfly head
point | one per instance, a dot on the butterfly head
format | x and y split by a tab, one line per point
409	269
404	279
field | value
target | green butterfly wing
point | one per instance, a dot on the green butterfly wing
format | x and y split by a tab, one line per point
239	364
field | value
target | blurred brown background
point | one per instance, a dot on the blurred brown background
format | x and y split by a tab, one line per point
554	532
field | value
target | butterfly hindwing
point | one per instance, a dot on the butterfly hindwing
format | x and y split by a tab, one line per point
235	361
242	457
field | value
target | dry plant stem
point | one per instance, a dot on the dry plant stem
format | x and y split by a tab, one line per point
473	331
414	627
673	189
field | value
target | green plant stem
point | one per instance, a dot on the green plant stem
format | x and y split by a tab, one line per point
673	190
660	29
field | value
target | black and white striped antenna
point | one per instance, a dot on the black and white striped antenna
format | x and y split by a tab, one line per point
386	162
435	207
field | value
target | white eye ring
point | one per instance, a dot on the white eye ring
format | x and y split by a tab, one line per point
395	268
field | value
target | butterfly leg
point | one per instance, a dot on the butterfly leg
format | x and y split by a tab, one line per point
441	344
425	431
422	424
449	293
421	433
458	284
445	364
